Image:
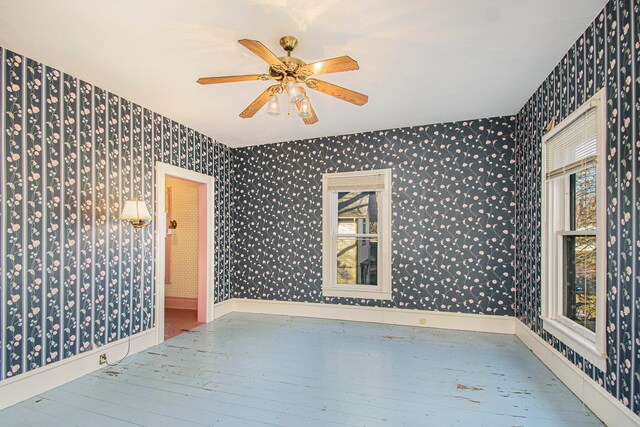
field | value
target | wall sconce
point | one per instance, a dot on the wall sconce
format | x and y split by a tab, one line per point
173	224
136	212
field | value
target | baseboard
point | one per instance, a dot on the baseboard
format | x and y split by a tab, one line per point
27	385
222	308
604	405
611	411
181	303
390	316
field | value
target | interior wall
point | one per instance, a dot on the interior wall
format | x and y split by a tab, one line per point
71	153
183	243
606	55
452	215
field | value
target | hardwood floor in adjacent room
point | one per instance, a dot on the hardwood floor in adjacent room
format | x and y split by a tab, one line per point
250	369
177	321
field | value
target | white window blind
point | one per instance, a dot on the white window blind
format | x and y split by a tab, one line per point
373	182
573	147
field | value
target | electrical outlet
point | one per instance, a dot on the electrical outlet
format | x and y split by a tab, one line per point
103	358
423	321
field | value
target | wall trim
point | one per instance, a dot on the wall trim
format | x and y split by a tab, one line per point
206	288
390	316
222	308
32	383
181	303
610	410
604	405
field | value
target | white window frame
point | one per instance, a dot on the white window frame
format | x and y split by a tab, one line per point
330	287
588	344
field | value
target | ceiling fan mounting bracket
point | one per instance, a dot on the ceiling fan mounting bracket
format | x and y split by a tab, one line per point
288	43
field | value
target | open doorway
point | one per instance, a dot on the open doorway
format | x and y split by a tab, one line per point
184	290
182	201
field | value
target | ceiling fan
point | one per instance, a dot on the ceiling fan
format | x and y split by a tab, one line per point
290	73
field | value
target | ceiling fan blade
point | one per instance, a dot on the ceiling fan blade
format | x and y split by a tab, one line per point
258	103
333	65
261	50
231	79
338	91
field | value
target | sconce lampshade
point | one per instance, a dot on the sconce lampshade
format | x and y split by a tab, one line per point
136	212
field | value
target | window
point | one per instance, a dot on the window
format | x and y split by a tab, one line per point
573	231
357	234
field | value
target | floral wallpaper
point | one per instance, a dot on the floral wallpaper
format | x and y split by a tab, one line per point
71	154
606	55
466	208
452	215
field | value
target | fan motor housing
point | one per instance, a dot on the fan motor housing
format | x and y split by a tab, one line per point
292	64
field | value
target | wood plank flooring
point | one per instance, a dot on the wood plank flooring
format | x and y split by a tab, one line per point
257	370
176	321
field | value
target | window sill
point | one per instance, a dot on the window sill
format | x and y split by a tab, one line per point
577	342
356	292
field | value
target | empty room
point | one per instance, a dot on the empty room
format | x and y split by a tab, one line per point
332	213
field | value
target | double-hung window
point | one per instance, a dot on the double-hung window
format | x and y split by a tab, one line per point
573	231
357	234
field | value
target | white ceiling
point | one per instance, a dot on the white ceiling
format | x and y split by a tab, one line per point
421	61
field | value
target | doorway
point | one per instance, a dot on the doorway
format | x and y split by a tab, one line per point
184	283
181	256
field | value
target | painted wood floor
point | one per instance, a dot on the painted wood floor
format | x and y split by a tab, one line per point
256	370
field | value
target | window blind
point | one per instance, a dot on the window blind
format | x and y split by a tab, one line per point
573	148
374	182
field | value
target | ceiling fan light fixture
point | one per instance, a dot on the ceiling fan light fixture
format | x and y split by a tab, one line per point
305	108
274	105
292	75
295	95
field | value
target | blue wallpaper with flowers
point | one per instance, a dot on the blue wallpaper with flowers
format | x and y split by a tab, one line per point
71	154
452	215
606	55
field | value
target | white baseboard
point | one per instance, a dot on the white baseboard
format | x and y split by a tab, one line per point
29	384
604	405
222	308
611	411
390	316
181	303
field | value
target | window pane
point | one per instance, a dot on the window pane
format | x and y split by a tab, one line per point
347	226
580	280
583	199
357	261
359	209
